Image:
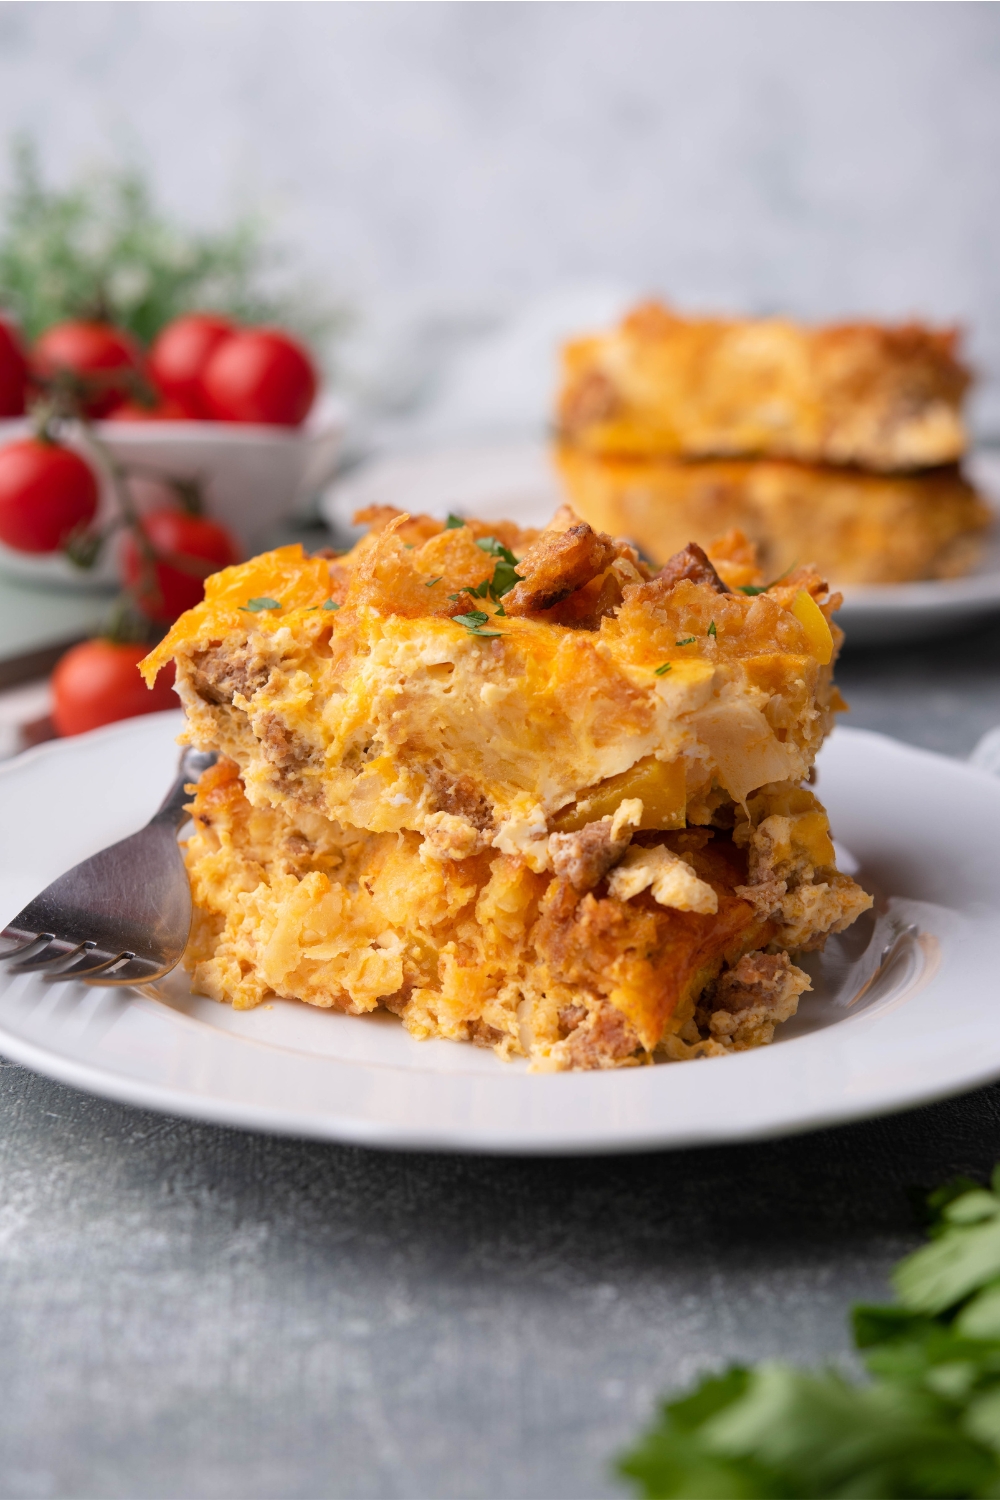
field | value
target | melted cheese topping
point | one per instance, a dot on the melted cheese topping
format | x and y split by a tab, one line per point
386	714
660	385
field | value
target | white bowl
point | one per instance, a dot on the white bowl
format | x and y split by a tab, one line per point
251	478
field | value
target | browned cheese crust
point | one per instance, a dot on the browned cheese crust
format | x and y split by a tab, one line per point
859	528
882	397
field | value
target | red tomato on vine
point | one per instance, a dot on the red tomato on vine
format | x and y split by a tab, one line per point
179	356
98	682
189	548
134	411
13	373
260	375
105	361
46	492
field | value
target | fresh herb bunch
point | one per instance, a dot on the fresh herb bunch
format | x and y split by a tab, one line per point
927	1424
101	249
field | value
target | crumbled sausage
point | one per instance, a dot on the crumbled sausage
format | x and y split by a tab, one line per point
694	565
460	796
221	671
584	858
746	1002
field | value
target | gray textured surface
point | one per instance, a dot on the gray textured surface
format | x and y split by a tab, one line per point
190	1311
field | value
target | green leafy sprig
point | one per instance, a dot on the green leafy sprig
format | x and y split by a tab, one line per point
102	249
926	1424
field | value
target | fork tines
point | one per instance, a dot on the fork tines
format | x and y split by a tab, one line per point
57	958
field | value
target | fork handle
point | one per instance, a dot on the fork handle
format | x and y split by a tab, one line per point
193	763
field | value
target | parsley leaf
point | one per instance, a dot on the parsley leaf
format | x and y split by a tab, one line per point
762	588
662	671
496	549
453	523
926	1424
712	631
505	577
474	621
688	640
330	604
254	606
432	581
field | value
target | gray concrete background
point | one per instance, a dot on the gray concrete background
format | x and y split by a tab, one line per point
188	1311
822	159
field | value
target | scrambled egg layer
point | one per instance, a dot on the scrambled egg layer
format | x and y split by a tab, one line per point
860	528
353	692
487	950
884	398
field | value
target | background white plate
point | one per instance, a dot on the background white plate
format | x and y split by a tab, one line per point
926	831
517	482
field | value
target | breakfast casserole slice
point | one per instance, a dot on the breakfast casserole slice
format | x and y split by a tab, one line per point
513	788
659	385
859	528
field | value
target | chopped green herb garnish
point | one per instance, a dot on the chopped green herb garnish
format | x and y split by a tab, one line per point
496	549
688	640
453	597
499	611
432	581
254	606
311	608
330	604
924	1425
474	621
662	671
453	522
504	578
758	588
712	630
481	590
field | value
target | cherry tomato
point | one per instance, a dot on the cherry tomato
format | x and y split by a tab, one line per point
180	354
105	359
98	682
134	411
260	375
13	373
204	545
45	491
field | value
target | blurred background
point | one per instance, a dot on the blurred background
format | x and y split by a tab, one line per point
438	167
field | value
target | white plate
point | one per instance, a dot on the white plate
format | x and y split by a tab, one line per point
252	477
517	482
926	831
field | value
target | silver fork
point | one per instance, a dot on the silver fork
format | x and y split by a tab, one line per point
120	917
